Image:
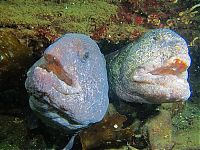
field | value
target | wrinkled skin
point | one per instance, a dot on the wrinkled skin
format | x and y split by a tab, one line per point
68	85
152	70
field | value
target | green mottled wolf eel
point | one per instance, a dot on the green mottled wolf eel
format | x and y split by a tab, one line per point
152	70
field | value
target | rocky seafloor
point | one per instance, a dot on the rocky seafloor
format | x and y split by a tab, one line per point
27	28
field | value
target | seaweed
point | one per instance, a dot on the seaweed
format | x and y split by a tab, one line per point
109	132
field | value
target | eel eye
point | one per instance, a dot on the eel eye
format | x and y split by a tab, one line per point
85	56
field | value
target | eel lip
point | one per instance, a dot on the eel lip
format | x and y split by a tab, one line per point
173	67
46	82
53	65
162	88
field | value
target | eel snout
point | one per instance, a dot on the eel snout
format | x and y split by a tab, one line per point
167	83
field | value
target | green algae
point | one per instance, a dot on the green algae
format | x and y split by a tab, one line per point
15	136
71	16
86	16
187	139
184	120
160	130
186	127
12	131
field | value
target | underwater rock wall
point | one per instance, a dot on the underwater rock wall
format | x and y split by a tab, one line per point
113	24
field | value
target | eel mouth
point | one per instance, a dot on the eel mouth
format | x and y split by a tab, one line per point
51	75
173	66
53	65
165	83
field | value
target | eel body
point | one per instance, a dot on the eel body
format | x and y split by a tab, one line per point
68	86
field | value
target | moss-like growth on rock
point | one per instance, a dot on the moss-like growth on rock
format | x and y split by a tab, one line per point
72	16
186	127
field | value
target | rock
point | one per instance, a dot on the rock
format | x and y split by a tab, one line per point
68	85
14	60
15	136
152	70
13	133
110	131
159	130
186	126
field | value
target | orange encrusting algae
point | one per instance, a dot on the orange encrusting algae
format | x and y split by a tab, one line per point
175	67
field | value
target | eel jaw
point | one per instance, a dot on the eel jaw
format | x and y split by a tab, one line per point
167	83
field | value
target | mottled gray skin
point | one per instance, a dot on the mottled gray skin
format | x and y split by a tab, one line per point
147	71
68	85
